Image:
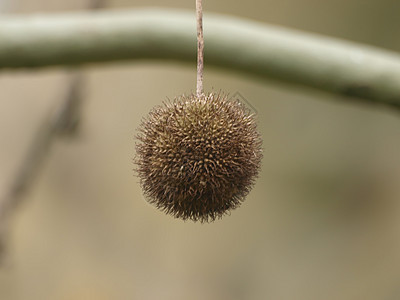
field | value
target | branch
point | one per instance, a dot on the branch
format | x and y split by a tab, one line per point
269	52
63	121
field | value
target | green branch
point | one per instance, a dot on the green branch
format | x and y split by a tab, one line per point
257	49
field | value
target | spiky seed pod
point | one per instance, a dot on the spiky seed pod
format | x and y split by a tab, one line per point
198	157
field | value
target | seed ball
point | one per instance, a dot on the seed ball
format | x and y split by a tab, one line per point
198	157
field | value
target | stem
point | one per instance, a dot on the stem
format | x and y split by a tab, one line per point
200	48
256	49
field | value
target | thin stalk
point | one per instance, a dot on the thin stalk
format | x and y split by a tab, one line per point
200	47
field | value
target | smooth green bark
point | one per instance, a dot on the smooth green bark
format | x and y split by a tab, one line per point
266	51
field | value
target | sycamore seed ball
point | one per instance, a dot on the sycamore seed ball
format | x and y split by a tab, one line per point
198	157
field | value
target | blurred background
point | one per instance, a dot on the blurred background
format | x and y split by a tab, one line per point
322	222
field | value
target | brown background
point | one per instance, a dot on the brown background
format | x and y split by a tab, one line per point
323	221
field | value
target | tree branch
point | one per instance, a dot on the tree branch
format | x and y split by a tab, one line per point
63	121
269	52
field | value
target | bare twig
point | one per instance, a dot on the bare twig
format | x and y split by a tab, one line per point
200	47
97	4
64	120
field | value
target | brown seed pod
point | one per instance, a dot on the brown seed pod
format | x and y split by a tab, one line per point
198	157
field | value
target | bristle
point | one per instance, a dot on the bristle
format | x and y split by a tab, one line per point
198	157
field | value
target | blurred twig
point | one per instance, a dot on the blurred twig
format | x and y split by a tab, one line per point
266	51
63	121
97	4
